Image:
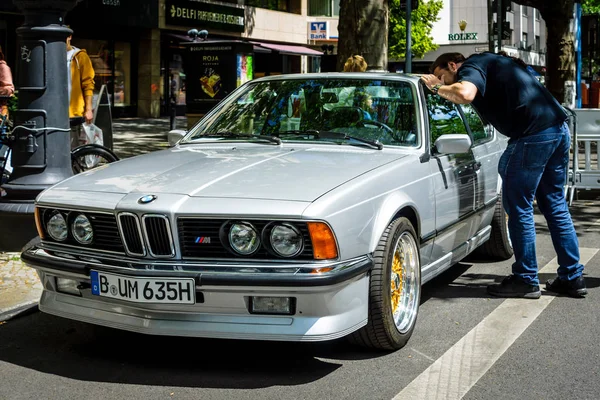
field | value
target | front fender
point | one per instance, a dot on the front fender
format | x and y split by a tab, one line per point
398	203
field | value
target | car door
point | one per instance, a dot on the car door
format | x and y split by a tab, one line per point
455	177
487	153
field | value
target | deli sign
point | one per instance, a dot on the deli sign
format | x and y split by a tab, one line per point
204	15
462	36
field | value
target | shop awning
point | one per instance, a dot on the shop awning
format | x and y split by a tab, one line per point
185	38
289	49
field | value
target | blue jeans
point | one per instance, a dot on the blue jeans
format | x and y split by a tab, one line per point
536	165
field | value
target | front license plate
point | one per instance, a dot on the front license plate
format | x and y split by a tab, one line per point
144	290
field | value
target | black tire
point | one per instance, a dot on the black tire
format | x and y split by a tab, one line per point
381	331
499	246
78	154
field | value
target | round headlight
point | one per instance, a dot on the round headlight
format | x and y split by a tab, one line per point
57	227
244	238
286	240
82	231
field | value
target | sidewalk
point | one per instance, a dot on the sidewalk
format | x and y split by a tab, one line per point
20	287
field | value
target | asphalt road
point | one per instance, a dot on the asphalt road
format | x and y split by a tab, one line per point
466	345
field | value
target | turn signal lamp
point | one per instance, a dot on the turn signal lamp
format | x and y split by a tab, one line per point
38	222
323	241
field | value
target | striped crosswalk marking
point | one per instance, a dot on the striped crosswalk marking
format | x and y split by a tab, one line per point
453	374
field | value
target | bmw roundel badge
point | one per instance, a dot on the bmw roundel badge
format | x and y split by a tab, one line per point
149	198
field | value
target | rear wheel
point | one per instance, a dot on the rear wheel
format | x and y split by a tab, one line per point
499	245
395	289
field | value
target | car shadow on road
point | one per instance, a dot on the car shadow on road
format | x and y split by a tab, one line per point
457	283
88	352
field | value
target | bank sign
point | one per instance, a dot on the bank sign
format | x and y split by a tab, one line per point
462	36
199	15
318	30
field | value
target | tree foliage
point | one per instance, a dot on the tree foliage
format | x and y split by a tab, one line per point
422	20
590	7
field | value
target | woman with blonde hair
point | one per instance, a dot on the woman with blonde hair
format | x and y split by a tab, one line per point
7	89
355	63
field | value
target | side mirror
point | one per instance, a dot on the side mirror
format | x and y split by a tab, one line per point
175	136
453	143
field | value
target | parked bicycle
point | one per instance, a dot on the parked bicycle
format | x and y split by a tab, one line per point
83	158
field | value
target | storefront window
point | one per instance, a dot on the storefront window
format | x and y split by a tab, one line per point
324	8
276	5
112	67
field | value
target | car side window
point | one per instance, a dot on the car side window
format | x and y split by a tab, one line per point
444	117
481	131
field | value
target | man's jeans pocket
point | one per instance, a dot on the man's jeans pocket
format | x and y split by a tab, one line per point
537	154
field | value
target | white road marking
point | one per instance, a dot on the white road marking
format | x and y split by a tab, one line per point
453	374
595	227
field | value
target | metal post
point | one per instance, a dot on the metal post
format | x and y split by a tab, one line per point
578	64
499	21
41	152
408	58
490	26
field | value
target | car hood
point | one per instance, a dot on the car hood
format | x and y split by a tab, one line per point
241	170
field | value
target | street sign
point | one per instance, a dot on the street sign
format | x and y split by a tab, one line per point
318	30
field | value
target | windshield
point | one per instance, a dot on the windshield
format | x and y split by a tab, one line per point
363	110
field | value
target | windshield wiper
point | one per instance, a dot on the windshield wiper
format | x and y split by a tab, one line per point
331	135
309	132
234	135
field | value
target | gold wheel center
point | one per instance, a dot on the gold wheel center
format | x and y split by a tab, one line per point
396	281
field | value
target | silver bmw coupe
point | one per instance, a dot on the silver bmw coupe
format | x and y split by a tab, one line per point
302	207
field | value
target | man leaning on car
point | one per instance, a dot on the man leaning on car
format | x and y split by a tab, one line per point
534	163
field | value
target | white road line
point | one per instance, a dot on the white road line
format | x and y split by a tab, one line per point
453	374
595	227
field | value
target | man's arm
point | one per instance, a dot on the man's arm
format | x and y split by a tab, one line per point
87	86
459	93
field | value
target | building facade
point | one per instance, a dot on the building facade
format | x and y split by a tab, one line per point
463	27
136	45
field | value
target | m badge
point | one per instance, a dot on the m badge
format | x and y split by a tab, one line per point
202	240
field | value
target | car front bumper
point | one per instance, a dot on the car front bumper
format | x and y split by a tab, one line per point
328	304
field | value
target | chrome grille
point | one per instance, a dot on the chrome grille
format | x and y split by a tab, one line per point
192	229
131	234
158	235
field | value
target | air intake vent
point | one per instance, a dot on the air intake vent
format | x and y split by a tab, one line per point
158	233
132	234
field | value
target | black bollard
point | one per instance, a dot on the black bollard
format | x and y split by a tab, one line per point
41	152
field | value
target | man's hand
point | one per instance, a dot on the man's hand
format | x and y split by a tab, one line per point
431	80
89	116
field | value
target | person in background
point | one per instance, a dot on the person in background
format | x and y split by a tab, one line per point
355	63
81	88
533	165
172	102
7	89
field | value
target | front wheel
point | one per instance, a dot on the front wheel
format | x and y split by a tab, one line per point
394	290
89	156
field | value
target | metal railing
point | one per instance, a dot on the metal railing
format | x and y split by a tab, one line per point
584	171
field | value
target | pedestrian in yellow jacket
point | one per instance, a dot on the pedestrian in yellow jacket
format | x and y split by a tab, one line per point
81	83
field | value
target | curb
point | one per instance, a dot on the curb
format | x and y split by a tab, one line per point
17	310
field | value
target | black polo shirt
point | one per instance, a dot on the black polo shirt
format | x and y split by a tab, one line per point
509	96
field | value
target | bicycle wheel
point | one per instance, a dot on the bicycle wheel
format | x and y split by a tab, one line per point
90	156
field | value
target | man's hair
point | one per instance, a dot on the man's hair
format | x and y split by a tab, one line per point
1	54
443	60
355	63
